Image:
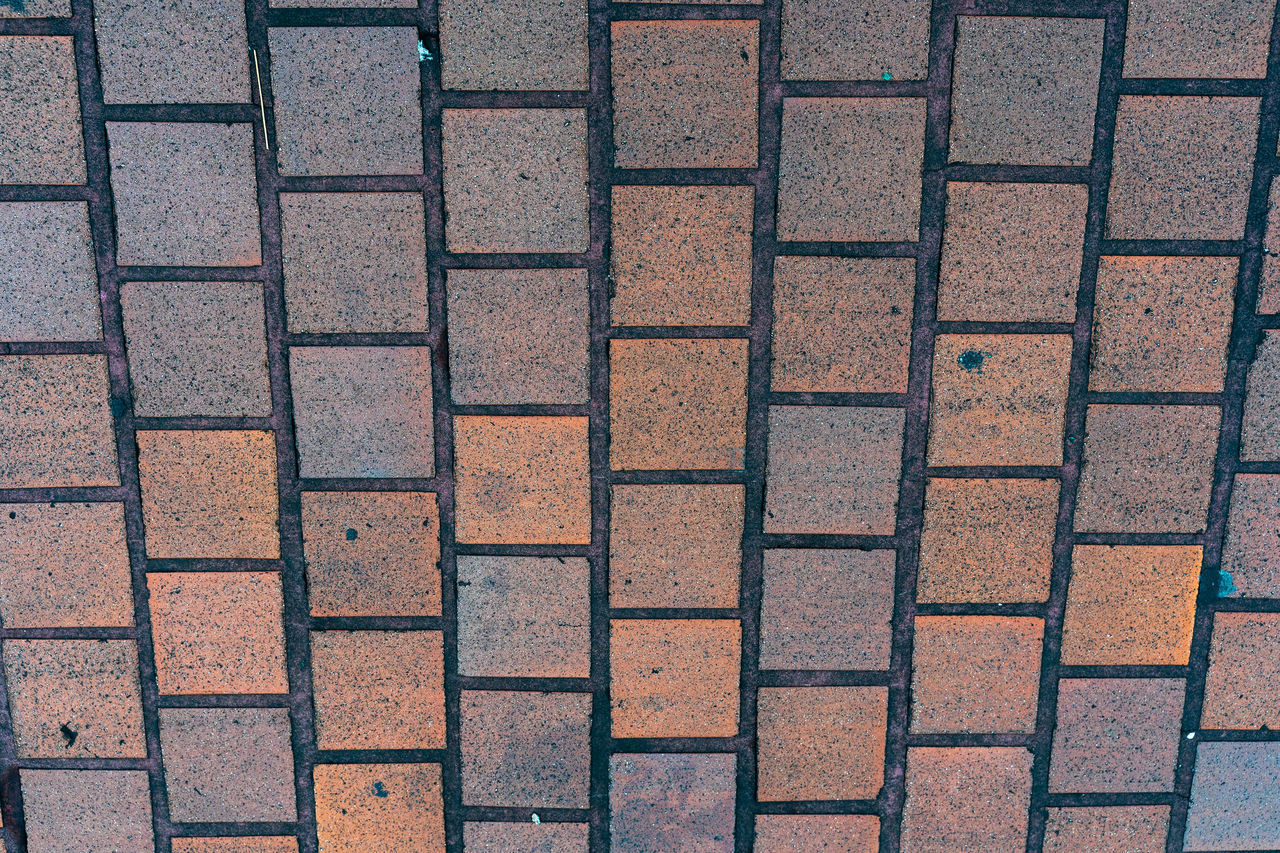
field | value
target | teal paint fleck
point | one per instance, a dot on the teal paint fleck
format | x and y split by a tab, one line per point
1226	584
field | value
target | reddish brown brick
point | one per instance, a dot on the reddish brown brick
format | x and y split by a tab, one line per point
55	422
354	262
40	111
1260	431
209	493
987	540
1233	797
842	324
1162	324
968	798
681	256
218	632
518	336
998	399
1269	283
1239	690
524	616
833	469
850	168
817	833
77	810
1207	38
821	743
360	807
1130	604
372	553
975	673
1025	89
1116	735
239	844
678	403
1147	469
185	194
1251	552
672	801
228	764
1012	252
513	45
65	566
526	749
826	609
855	39
378	689
347	100
175	53
675	545
1107	829
363	411
674	677
48	284
1183	167
522	480
526	837
196	348
75	698
683	93
515	180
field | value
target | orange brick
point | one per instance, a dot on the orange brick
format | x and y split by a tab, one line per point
239	844
1107	829
966	798
817	833
821	743
363	807
1240	689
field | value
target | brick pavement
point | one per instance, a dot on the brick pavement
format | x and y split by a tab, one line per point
791	425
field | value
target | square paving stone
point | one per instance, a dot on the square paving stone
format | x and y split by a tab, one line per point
378	689
522	480
674	677
526	749
678	403
833	469
518	336
685	93
1183	167
75	698
1197	38
196	348
48	283
999	399
842	324
71	811
1239	690
513	44
821	743
515	180
1260	430
228	764
672	801
855	39
1269	284
1107	829
826	609
362	807
1131	604
354	262
966	798
850	168
1233	797
681	256
347	100
1147	469
209	493
1251	552
1025	90
817	833
218	632
175	52
56	427
363	411
185	194
1012	252
66	566
43	142
372	553
675	545
1116	735
524	617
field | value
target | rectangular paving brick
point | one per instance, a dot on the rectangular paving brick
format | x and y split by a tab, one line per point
513	44
536	838
1251	550
1239	690
1208	38
40	111
48	283
855	39
966	798
662	802
1260	430
816	833
76	810
384	806
1233	797
1107	829
239	844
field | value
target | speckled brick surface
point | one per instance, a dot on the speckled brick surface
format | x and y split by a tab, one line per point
599	426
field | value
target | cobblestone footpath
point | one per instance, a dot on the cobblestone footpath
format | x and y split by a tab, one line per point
552	426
